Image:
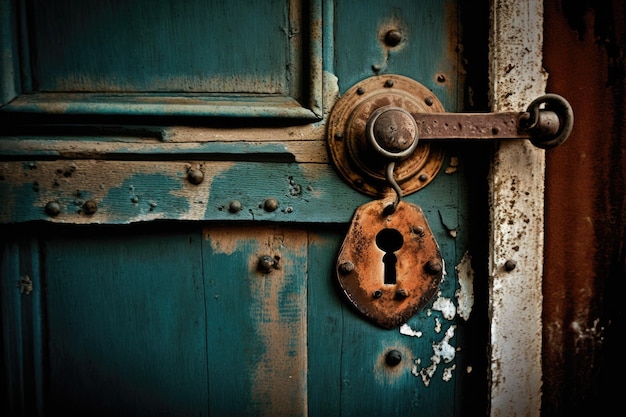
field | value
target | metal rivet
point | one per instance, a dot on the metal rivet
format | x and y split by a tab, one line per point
346	267
195	176
360	91
393	357
389	83
433	266
495	130
377	294
134	200
376	68
270	204
53	209
234	206
339	136
401	294
418	230
423	177
510	265
358	183
428	101
90	207
393	37
266	263
441	78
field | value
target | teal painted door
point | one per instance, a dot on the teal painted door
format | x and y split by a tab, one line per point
153	153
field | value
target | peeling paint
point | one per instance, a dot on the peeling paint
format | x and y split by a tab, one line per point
406	330
448	373
443	352
446	306
220	245
453	166
465	293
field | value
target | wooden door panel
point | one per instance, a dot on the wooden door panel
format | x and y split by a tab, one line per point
171	314
162	58
125	324
256	321
348	373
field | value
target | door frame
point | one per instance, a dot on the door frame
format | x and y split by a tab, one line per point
516	185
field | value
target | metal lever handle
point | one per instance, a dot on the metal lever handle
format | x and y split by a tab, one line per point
392	133
546	132
373	130
547	123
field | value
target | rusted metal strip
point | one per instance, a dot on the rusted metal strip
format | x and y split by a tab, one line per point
485	126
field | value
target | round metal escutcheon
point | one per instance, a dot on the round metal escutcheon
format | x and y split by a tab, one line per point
350	147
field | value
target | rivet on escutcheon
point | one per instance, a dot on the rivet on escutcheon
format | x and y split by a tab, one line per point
433	266
346	267
401	294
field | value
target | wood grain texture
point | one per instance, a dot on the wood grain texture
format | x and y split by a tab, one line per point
256	321
125	324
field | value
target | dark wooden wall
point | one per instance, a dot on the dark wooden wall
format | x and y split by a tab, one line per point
584	276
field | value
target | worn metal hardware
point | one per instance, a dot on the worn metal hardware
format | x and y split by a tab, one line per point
393	357
393	38
371	106
510	265
267	263
235	206
195	176
53	208
90	207
357	137
270	204
389	266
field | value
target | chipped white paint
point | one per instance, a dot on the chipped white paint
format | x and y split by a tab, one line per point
465	293
446	306
516	196
437	325
406	330
448	373
443	353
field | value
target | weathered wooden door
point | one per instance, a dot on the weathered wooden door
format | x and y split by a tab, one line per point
156	155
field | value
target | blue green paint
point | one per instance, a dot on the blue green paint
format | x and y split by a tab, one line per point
158	318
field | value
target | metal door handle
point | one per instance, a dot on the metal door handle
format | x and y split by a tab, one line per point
375	127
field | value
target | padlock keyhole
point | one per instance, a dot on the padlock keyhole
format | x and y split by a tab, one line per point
389	240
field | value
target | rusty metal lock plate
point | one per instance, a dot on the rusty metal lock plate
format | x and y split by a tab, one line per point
351	151
389	266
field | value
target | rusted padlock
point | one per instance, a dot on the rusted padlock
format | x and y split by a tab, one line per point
389	265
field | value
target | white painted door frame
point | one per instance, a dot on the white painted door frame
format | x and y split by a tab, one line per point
516	186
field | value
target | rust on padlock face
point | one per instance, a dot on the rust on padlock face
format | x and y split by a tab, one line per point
389	266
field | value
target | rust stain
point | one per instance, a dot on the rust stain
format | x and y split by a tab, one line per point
276	304
386	375
279	381
585	206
